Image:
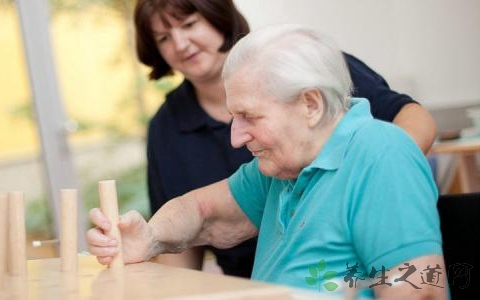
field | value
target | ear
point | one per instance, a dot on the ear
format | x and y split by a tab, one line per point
313	101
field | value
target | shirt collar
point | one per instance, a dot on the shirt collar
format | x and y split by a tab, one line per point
332	153
187	110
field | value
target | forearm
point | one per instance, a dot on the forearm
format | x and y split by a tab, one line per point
419	124
206	216
175	226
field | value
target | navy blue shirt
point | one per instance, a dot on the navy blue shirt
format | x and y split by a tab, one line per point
187	149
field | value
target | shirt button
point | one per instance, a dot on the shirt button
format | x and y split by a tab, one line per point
292	212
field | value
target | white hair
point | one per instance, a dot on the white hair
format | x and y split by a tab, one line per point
288	59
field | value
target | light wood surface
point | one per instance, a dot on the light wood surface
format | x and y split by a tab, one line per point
109	206
460	146
138	281
17	248
68	230
465	151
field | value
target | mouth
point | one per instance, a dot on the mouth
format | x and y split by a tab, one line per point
256	153
191	56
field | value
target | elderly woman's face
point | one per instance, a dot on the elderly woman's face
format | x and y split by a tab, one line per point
190	46
275	132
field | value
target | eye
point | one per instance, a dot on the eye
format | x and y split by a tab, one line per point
245	116
190	21
189	24
161	39
250	117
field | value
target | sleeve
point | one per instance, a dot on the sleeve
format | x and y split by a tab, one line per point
250	188
384	102
156	194
396	219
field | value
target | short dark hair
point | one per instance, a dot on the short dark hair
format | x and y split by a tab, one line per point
221	14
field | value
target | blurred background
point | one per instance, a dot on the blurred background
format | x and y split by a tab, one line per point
106	98
428	49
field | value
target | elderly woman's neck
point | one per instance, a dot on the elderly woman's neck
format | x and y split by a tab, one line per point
319	138
323	134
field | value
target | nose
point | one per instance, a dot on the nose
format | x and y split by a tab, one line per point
180	40
239	134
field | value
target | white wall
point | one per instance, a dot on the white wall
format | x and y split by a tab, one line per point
429	49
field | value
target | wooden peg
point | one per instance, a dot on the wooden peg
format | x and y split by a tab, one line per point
68	230
17	251
3	237
109	206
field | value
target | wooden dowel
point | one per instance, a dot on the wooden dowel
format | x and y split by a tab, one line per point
68	230
17	234
109	206
3	237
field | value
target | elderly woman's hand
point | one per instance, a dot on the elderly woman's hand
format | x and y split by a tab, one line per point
137	238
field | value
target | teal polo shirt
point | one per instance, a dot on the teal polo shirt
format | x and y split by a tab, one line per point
368	197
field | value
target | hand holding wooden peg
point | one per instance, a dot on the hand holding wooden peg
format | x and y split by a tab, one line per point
109	206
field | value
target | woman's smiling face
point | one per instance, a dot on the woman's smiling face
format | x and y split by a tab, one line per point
189	46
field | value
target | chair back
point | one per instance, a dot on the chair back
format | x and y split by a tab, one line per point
460	227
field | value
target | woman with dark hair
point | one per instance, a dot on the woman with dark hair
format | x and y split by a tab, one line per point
189	138
223	16
188	142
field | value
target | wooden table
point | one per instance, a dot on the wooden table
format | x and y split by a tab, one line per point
138	281
465	149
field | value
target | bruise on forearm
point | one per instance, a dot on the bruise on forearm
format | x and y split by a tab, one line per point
158	247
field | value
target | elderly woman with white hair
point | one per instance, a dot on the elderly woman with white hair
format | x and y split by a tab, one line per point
328	183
